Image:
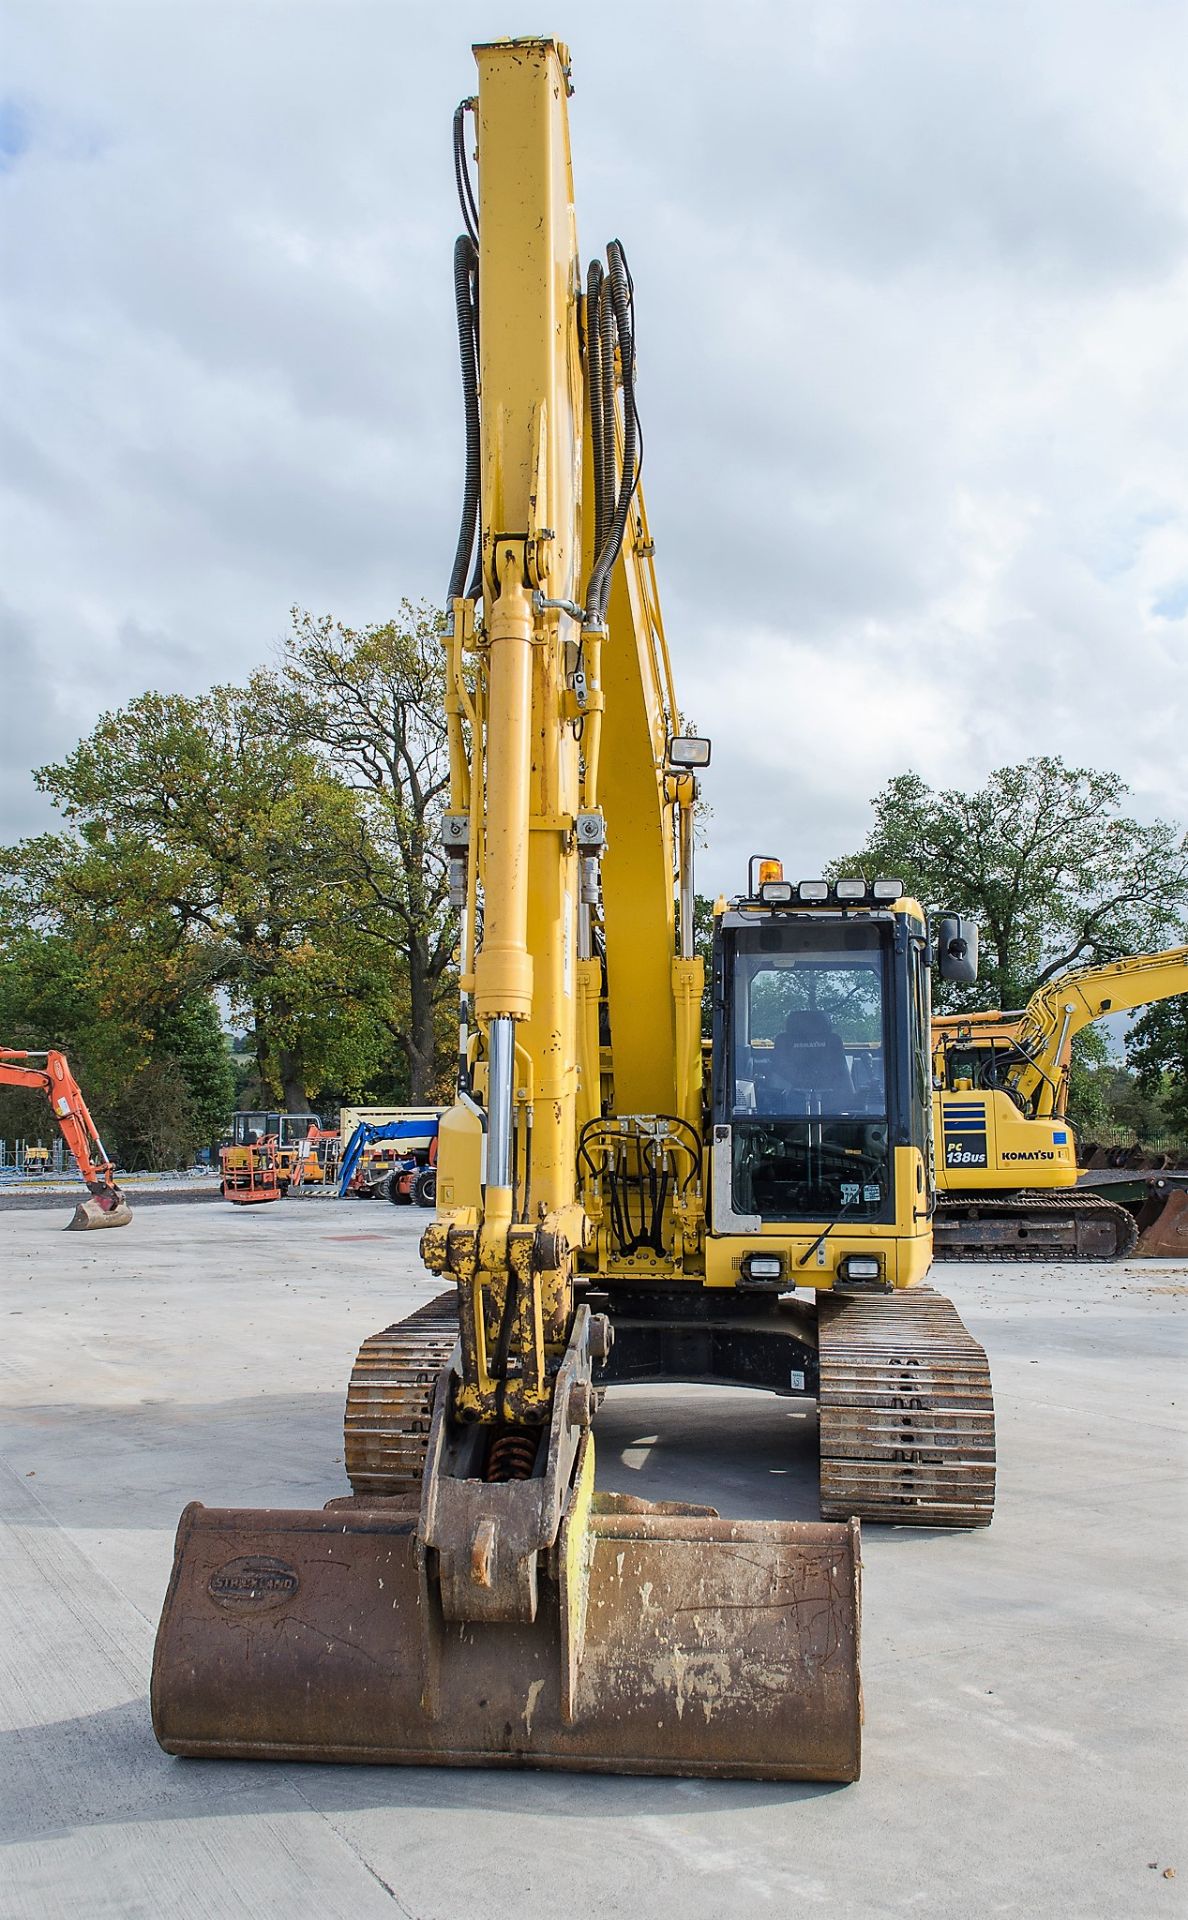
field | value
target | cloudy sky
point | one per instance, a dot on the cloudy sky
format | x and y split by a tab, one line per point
912	282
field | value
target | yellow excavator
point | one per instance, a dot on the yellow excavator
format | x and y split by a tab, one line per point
603	1215
1007	1167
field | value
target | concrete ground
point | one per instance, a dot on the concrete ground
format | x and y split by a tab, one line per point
1025	1687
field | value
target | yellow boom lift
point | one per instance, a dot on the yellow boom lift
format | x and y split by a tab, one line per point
1008	1156
601	1215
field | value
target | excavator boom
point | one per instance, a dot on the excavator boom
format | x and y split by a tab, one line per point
106	1205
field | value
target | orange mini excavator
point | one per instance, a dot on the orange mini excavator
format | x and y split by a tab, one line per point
106	1205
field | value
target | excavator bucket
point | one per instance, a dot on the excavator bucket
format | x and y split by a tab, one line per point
665	1642
1163	1226
106	1209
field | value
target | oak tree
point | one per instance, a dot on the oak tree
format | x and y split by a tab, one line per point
202	851
1045	857
370	703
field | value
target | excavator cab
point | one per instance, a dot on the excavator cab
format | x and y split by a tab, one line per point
801	1081
821	1092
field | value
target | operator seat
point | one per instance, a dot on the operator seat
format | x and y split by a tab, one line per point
810	1058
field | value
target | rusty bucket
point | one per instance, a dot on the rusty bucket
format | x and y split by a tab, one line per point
1163	1224
104	1209
663	1643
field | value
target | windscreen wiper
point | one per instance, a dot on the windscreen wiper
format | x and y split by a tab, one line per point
823	1235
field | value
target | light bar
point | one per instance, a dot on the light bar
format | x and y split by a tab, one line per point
813	890
850	889
776	893
887	890
688	750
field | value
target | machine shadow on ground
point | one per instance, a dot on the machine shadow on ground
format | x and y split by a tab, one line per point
130	1781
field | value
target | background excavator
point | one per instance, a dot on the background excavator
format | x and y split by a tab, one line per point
603	1215
106	1205
1007	1161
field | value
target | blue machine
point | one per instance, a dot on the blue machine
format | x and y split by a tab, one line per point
366	1135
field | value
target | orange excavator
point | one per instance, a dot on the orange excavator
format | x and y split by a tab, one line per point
105	1205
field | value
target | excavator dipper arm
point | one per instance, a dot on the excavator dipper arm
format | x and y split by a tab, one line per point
106	1206
1059	1010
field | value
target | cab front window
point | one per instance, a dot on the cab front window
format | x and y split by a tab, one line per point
808	1053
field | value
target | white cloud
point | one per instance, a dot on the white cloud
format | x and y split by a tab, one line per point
911	283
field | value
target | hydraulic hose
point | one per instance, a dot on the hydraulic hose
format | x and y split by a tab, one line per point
462	172
466	304
614	322
606	370
594	285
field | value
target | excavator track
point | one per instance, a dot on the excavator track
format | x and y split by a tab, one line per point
905	1411
1032	1226
390	1398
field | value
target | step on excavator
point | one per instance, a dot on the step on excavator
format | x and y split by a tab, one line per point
602	1216
105	1205
1007	1169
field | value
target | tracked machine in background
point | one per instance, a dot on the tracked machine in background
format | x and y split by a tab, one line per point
105	1205
1007	1164
602	1215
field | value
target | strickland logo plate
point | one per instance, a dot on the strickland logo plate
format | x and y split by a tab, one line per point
254	1582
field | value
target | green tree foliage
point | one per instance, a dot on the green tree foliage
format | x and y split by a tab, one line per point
203	850
1091	1084
1157	1050
157	1091
189	1036
703	944
371	704
1044	857
46	1001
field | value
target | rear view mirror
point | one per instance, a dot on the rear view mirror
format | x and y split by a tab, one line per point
957	950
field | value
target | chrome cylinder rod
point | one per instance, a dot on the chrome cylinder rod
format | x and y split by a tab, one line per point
686	881
501	1074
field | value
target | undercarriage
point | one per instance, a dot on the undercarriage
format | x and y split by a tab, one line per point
905	1412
